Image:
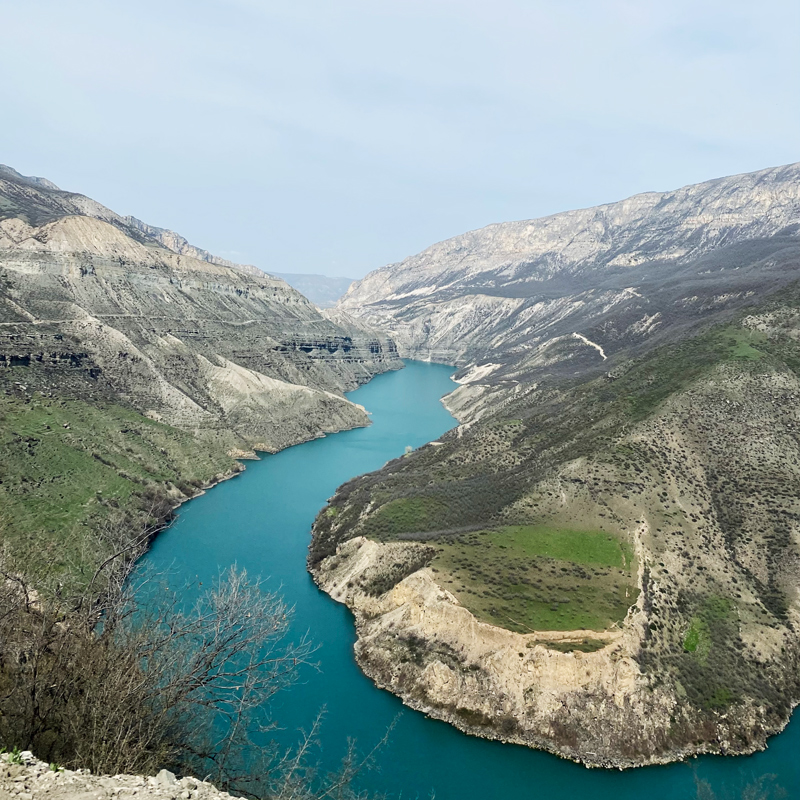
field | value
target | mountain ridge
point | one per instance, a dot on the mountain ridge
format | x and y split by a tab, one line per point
515	284
84	268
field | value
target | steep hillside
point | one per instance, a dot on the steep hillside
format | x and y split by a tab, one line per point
134	366
618	275
178	334
606	568
603	560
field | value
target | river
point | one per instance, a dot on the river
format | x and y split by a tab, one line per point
262	519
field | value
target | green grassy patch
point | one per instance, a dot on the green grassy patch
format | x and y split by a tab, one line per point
407	514
698	639
720	699
67	467
534	578
742	343
578	546
712	615
710	665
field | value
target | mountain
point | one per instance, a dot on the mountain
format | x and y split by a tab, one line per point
618	274
184	336
602	559
321	290
167	357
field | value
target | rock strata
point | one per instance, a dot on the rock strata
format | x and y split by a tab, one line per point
178	334
419	642
619	274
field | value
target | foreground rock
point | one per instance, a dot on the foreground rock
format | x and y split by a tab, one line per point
34	780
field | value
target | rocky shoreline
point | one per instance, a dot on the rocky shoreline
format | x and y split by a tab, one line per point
448	715
417	642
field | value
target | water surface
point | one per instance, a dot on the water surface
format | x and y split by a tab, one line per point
262	519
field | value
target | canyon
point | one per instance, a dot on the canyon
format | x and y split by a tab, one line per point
602	560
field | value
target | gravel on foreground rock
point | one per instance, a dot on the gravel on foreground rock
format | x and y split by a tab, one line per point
31	779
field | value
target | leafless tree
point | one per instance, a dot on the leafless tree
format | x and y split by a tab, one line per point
153	683
119	673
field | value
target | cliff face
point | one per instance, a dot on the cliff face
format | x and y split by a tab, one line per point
619	274
418	641
176	333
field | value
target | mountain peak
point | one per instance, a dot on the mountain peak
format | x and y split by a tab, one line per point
39	183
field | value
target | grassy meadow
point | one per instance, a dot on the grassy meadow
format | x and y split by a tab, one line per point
538	578
68	467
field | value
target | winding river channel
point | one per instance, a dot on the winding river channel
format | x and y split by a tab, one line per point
261	521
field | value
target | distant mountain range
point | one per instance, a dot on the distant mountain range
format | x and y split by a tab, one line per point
321	290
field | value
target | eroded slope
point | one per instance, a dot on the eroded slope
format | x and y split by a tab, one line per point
622	275
176	333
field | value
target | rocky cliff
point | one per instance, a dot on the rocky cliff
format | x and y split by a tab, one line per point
180	335
26	778
134	368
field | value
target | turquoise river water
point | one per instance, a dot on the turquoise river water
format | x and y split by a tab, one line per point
262	519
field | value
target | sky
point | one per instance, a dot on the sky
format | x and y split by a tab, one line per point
336	137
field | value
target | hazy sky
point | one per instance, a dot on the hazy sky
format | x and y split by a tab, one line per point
335	137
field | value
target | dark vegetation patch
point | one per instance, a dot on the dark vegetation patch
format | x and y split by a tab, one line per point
380	581
583	646
406	514
473	718
709	660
